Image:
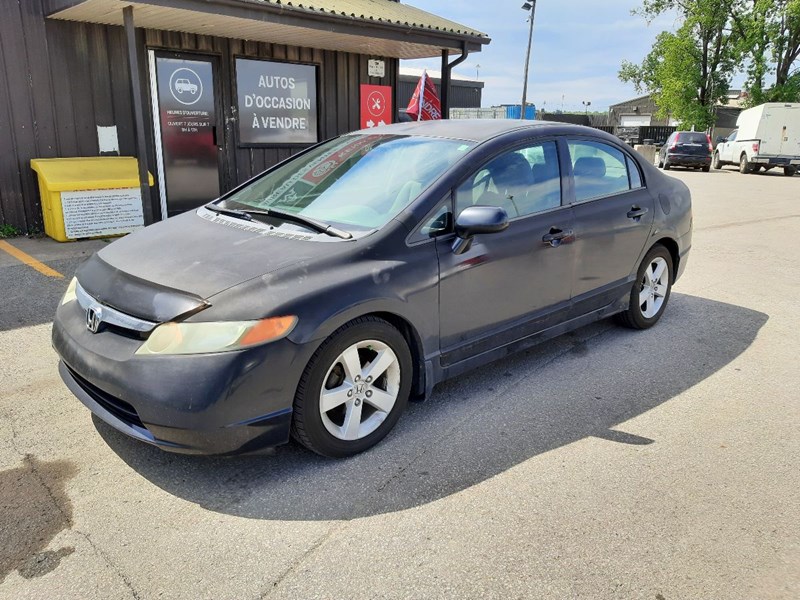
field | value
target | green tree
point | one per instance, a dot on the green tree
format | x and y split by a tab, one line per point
769	36
688	72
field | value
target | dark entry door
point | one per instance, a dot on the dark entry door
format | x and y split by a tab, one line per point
188	119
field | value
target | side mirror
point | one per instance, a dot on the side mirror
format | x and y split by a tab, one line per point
721	140
474	220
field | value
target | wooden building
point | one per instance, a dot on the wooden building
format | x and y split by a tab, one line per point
219	91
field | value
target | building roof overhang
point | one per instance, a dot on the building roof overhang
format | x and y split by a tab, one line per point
374	27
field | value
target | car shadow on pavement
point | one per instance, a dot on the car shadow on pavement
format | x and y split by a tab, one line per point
582	384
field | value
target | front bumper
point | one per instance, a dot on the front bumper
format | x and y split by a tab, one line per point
224	403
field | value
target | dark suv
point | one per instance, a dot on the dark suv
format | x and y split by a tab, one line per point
686	149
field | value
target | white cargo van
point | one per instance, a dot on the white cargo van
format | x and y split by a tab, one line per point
767	136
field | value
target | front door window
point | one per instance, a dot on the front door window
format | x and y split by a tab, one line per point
523	182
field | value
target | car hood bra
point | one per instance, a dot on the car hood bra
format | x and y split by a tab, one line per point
172	268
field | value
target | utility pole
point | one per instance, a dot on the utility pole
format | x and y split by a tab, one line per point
531	7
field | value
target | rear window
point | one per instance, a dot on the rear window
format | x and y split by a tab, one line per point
692	137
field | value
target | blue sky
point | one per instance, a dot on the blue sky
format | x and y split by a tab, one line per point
578	46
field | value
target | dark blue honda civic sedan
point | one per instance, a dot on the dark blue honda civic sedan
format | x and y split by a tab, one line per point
316	299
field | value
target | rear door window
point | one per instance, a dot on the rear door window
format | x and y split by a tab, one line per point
598	169
633	172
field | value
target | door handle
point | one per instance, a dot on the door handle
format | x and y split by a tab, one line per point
636	213
556	236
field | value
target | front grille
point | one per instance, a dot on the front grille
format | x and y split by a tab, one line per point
111	317
131	334
119	408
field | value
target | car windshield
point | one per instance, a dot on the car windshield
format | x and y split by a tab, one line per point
359	180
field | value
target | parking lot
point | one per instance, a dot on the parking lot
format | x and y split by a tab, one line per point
604	464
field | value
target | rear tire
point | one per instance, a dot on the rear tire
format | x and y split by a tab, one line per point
651	290
706	169
363	404
789	171
667	166
745	166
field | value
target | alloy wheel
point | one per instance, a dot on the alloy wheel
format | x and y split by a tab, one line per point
655	285
359	390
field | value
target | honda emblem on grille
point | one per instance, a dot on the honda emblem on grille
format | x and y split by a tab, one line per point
94	316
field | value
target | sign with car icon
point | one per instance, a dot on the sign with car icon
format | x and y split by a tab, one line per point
186	86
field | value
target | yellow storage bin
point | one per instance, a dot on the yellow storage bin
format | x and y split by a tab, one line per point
89	197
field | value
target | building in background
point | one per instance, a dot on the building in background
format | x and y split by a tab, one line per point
641	111
219	89
465	92
627	117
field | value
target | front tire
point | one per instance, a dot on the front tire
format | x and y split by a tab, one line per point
354	389
717	163
651	290
789	171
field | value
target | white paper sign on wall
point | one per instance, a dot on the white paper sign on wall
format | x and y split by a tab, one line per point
376	68
96	213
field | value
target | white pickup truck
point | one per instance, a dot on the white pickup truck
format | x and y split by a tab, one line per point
768	136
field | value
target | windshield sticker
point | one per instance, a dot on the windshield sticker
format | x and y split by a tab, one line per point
244	226
316	171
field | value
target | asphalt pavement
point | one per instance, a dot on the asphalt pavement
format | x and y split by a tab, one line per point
606	463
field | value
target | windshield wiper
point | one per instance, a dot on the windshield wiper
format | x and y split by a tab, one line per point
314	224
230	212
320	226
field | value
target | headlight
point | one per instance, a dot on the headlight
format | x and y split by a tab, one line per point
202	338
69	295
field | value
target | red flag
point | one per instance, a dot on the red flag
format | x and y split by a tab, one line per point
431	107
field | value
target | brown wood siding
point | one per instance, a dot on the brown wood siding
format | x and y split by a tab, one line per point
60	80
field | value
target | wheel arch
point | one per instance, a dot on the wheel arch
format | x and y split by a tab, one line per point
414	341
406	329
674	251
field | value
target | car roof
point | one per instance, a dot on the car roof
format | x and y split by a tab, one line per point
475	130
